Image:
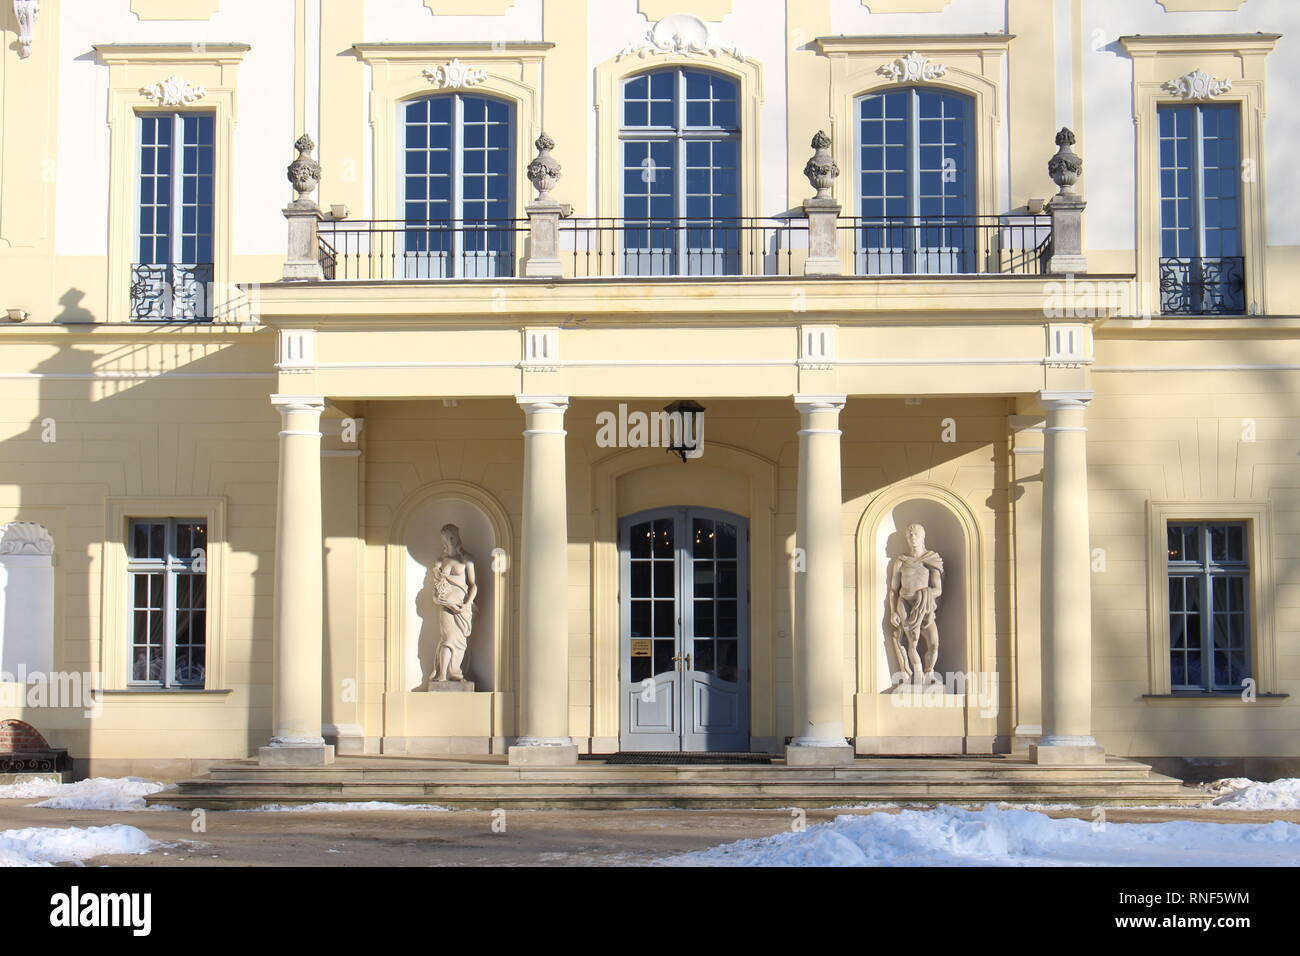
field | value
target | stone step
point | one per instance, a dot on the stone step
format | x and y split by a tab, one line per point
692	799
487	783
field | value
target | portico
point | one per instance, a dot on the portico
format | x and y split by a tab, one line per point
821	454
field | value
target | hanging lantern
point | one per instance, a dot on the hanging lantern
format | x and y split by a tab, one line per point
684	435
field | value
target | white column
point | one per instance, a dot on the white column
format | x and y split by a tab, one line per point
1067	588
544	590
819	737
296	702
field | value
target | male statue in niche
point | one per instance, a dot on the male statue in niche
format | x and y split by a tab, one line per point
915	584
453	587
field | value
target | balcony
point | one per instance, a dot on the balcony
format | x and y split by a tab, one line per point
665	248
171	292
1203	285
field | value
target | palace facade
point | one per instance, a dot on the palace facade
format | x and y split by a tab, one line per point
684	315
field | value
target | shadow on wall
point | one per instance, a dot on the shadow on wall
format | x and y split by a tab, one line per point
73	313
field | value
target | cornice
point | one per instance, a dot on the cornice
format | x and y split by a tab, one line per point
509	50
927	42
1143	44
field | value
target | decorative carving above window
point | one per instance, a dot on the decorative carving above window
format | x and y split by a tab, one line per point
912	68
682	34
454	75
25	12
173	91
25	537
1197	85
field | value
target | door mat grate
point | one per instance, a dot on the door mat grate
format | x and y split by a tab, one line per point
671	758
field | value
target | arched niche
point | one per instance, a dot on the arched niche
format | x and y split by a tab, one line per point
415	545
952	531
26	600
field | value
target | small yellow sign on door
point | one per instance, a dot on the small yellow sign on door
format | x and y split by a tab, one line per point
641	648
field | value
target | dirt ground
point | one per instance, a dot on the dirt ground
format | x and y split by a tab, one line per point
467	838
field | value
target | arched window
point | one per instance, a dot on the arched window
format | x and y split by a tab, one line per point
681	173
457	196
916	169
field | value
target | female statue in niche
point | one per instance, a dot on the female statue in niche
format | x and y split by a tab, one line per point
915	584
452	585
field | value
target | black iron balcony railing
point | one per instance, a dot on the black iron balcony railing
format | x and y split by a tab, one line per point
171	292
421	249
948	245
682	247
1203	285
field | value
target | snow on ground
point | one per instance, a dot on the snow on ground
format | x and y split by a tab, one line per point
97	793
1239	793
948	836
332	807
46	846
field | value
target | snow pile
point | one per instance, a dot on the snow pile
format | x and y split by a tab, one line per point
45	846
948	836
97	793
331	807
1239	793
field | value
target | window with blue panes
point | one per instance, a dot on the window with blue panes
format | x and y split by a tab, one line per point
172	275
1209	606
680	137
1202	269
457	195
915	173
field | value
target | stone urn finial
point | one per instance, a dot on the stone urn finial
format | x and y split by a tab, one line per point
1065	167
544	171
304	172
821	169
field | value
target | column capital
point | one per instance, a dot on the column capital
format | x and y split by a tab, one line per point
1054	399
304	403
820	403
542	403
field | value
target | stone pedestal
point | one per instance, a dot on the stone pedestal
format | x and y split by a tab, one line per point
543	239
1067	236
451	686
823	242
303	259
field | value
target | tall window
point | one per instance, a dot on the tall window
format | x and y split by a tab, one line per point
1202	270
916	156
172	277
458	168
1209	621
167	581
681	174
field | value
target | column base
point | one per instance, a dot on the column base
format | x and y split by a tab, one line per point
550	755
543	269
823	266
818	755
297	756
1061	751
